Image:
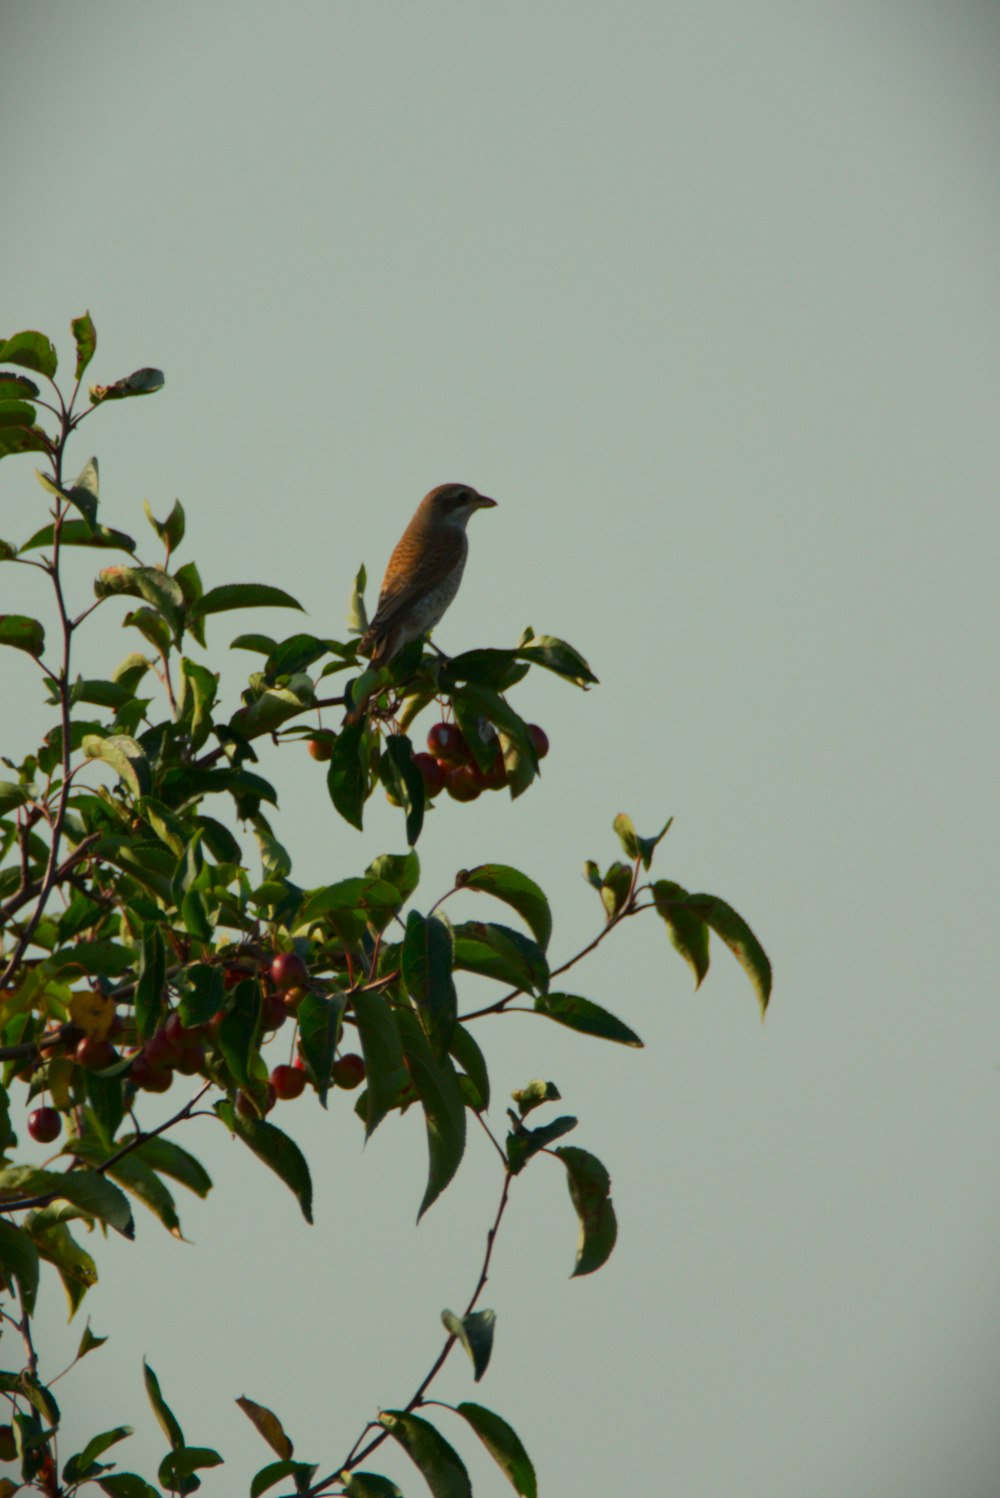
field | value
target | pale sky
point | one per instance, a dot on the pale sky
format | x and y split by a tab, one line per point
707	296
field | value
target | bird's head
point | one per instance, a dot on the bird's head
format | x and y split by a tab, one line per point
452	504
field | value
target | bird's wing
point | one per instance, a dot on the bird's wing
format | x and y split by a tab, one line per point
405	583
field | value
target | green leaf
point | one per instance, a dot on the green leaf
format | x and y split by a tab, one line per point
436	1084
383	1053
22	633
19	1258
41	1398
523	1143
555	655
427	955
89	1342
260	644
140	382
154	585
85	335
475	1332
349	905
368	1485
13	795
274	706
171	530
243	596
77	1467
687	931
400	775
15	440
96	958
162	1411
240	1029
347	777
166	1157
177	1467
439	1464
615	887
126	1485
320	1019
586	1017
267	1424
125	757
504	1445
401	870
590	1193
16	413
151	976
472	1061
501	953
496	669
79	533
57	1245
30	350
302	1474
357	614
517	890
16	387
636	846
144	1184
740	940
187	783
95	1196
276	1150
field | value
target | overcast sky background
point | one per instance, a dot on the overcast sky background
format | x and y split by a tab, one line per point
707	297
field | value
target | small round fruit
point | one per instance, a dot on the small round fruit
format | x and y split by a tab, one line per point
348	1071
288	1082
44	1125
539	738
462	784
446	743
161	1051
273	1012
149	1077
321	749
192	1060
93	1054
288	970
432	772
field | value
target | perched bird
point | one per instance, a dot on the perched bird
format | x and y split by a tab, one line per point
424	571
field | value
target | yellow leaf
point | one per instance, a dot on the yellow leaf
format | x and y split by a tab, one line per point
92	1012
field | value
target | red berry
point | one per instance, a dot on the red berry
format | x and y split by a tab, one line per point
288	1082
433	773
462	784
161	1051
192	1060
44	1124
446	743
288	970
273	1012
349	1071
321	749
94	1055
539	738
147	1076
248	1107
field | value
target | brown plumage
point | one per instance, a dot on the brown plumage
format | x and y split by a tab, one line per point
424	571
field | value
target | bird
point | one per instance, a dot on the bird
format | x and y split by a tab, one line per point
424	570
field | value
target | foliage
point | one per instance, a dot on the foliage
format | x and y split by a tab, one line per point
139	952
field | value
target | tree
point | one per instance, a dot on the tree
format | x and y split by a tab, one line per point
138	953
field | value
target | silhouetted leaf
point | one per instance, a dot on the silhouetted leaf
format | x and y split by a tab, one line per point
504	1446
437	1087
383	1053
85	335
22	633
590	1193
276	1150
475	1332
243	596
267	1423
439	1464
586	1017
517	890
30	350
427	956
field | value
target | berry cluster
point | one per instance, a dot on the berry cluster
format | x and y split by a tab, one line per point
449	765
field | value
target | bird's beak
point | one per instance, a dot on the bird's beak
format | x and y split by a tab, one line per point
484	503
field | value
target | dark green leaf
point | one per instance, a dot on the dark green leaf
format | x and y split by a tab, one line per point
349	905
276	1150
740	940
475	1332
320	1021
266	1422
126	1485
401	870
171	530
89	1342
144	1184
686	930
19	1258
22	633
198	688
383	1055
96	958
517	890
154	585
243	596
57	1245
41	1398
85	335
437	1087
302	1474
590	1193
151	978
368	1485
177	1467
400	775
140	382
16	413
523	1143
13	795
496	669
166	1157
472	1061
162	1411
186	783
79	533
293	655
240	1029
557	656
261	644
347	777
427	956
501	953
357	615
96	1196
16	387
439	1464
615	888
77	1466
15	440
504	1446
585	1016
125	757
30	350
